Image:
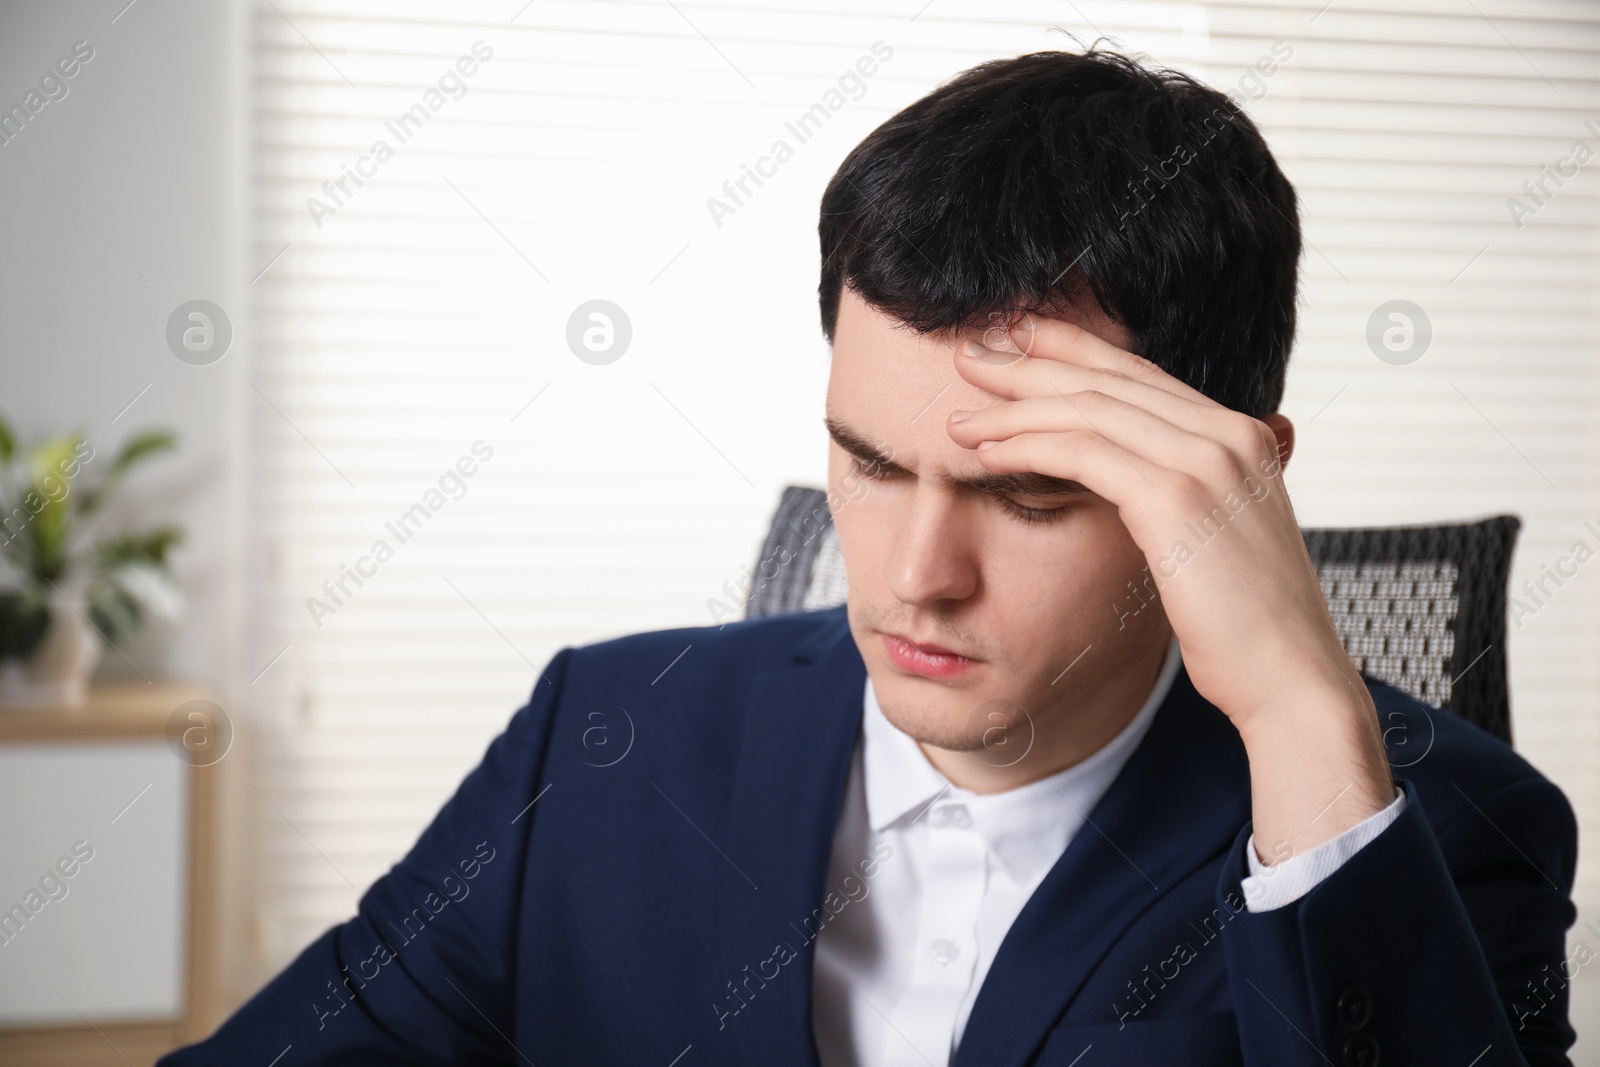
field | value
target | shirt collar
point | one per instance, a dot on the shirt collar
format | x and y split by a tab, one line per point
1028	827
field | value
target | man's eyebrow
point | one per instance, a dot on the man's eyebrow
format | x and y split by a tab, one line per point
1022	483
857	445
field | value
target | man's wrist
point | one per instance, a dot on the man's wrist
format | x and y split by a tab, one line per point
1317	769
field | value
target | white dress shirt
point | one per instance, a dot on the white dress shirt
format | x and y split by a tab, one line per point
932	876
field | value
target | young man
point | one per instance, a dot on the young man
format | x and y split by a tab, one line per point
995	810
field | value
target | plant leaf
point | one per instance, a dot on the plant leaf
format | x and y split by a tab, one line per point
138	447
23	622
152	588
45	500
114	613
150	547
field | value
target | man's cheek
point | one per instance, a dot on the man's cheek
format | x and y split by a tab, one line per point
856	533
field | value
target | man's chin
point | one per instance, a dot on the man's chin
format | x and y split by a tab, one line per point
959	717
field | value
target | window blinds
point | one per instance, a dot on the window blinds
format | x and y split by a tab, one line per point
446	491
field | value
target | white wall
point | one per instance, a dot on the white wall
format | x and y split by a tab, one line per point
148	147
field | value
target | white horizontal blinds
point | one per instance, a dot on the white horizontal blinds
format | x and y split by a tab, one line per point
430	311
1406	132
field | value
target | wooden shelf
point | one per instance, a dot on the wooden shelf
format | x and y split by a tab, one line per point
120	710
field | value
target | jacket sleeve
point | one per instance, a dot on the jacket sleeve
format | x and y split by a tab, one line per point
1271	887
423	973
1401	956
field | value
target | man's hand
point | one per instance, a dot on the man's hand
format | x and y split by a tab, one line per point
1200	489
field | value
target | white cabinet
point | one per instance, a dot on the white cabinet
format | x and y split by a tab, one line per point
94	871
106	871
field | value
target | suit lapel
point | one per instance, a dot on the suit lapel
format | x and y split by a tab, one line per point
799	730
1179	801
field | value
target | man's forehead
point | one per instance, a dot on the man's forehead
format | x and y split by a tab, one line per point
896	385
895	374
893	389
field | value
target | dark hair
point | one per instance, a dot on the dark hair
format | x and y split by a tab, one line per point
1022	183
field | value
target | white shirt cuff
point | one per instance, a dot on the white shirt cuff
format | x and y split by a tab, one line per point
1266	887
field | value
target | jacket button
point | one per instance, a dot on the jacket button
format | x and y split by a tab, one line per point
1353	1009
1360	1050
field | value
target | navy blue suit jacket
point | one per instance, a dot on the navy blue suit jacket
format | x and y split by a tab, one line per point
636	872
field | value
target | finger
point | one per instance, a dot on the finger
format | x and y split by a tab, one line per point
1085	457
1030	377
1136	431
1046	337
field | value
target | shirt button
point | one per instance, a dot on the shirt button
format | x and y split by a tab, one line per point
951	815
945	950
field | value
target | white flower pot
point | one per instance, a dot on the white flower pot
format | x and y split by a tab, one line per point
57	674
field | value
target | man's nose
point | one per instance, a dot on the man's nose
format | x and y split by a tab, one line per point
932	555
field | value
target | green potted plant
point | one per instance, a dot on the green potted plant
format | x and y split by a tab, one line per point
67	580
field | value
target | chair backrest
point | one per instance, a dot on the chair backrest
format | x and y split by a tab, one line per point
1420	607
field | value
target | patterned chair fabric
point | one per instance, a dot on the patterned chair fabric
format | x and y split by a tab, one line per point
1420	607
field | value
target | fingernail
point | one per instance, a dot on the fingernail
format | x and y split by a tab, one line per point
986	444
988	355
957	416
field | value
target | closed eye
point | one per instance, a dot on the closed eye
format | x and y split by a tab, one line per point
878	471
1033	515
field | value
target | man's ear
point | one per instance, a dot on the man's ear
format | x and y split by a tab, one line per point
1283	430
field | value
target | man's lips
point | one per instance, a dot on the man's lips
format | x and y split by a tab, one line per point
929	646
930	660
